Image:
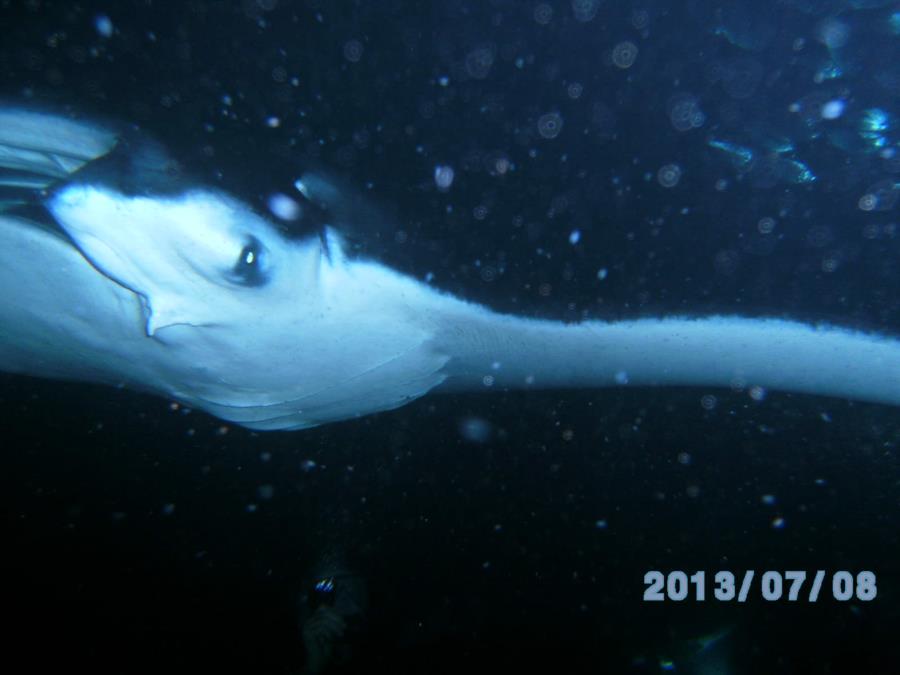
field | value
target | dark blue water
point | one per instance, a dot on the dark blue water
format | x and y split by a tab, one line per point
737	158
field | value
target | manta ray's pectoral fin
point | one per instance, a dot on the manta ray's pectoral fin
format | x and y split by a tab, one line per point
38	150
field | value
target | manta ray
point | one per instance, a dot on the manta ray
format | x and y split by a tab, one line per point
113	271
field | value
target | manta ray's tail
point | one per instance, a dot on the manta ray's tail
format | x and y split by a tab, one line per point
721	351
38	149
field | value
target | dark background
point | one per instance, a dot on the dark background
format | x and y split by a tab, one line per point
136	537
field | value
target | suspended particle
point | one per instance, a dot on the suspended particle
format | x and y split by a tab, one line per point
353	50
480	61
475	429
684	112
708	402
574	90
602	273
741	77
549	125
766	225
830	263
834	33
624	54
741	157
832	109
279	74
103	25
501	165
640	18
574	237
543	14
284	207
669	175
726	262
874	119
871	230
794	171
443	176
868	202
880	196
585	10
894	23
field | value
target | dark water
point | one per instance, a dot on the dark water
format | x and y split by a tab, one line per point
139	538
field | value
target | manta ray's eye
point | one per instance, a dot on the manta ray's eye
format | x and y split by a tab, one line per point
249	270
